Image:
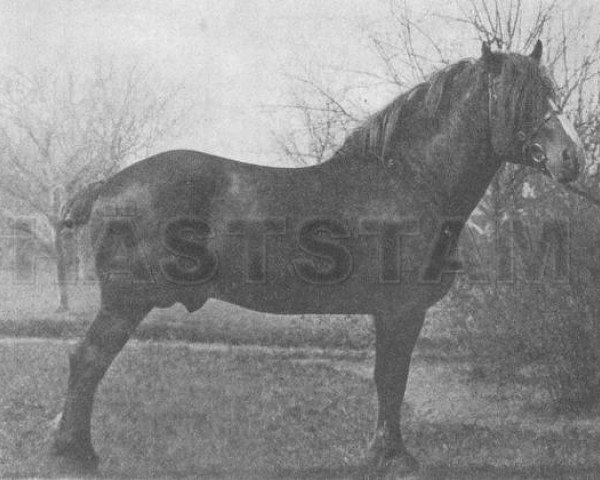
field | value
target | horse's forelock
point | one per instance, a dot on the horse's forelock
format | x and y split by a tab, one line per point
525	88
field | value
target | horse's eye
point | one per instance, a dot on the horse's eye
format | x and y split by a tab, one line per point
537	153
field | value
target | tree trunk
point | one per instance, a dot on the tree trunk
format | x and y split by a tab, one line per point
62	266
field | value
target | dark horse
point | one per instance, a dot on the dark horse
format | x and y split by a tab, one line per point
370	231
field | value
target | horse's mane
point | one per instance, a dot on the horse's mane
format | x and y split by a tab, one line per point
423	104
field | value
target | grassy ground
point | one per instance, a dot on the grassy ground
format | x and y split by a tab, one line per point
182	410
178	411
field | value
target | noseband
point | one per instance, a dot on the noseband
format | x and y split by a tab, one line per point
532	153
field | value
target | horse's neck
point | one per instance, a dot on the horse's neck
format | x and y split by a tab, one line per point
456	166
448	172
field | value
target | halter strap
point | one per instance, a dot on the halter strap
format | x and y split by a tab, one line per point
532	153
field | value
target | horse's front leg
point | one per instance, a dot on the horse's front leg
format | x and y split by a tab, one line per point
395	340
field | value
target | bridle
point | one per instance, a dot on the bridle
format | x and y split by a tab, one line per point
532	153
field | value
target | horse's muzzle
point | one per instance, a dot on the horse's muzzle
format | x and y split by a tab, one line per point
571	165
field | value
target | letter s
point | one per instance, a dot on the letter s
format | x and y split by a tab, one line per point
194	263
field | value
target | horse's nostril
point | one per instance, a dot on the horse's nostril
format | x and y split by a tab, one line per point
570	158
570	164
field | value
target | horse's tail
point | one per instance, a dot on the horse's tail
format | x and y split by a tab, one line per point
76	212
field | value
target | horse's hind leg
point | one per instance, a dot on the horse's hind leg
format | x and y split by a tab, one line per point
105	338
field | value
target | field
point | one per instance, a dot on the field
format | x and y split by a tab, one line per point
173	409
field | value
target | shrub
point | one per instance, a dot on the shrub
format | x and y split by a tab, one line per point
544	329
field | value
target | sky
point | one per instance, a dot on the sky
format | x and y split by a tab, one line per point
234	58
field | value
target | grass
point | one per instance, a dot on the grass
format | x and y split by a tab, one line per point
176	411
166	411
179	410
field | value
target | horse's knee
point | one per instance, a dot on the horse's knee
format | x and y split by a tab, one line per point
110	331
86	354
88	362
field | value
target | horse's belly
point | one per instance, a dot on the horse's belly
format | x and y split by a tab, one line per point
291	295
346	301
314	266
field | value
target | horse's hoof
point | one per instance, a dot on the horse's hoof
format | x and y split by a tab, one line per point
66	464
381	465
404	466
75	458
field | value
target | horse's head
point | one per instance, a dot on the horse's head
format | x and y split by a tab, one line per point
526	125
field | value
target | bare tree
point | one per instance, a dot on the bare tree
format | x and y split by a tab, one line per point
60	132
325	117
409	49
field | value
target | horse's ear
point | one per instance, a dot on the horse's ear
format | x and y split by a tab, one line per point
486	52
537	51
491	61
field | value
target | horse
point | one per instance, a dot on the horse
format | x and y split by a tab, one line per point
371	230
